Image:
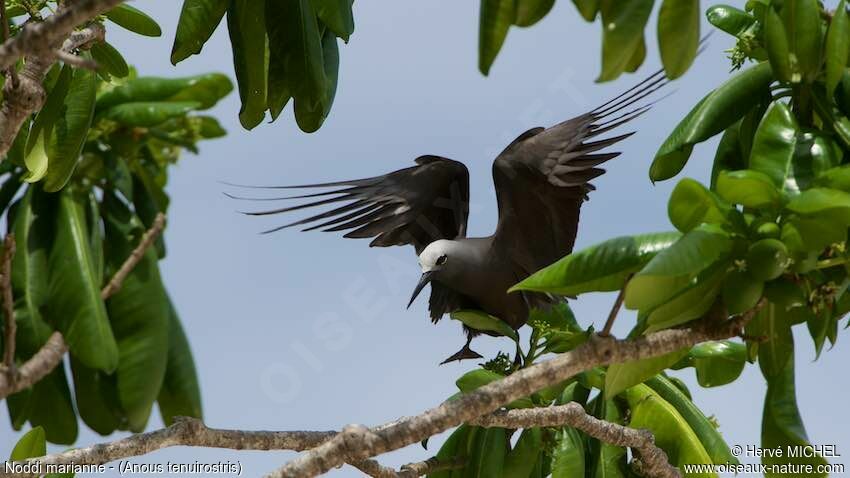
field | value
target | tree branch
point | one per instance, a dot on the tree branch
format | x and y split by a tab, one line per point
146	241
653	460
38	41
51	353
8	306
357	443
40	38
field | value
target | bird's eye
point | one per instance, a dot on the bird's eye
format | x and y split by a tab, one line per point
442	259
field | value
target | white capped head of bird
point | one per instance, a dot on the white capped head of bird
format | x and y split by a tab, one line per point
435	258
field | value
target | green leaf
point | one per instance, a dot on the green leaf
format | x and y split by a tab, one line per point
147	114
479	377
488	454
691	204
198	21
475	379
778	50
97	400
837	47
568	457
206	90
31	445
71	129
822	201
587	8
718	362
134	20
74	305
774	146
674	267
336	14
138	313
35	150
529	12
705	430
731	20
621	376
602	267
310	118
247	27
495	20
748	188
520	461
453	447
109	60
48	403
672	432
678	35
713	114
180	395
781	425
296	47
691	303
622	33
803	27
33	225
208	127
773	322
475	319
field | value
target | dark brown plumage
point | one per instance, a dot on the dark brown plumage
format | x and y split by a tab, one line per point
541	180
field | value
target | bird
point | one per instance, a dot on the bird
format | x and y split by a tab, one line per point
541	179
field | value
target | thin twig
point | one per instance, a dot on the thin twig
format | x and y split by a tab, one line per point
653	459
8	306
51	353
147	240
618	303
75	60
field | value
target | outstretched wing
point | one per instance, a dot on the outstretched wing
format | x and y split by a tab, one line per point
543	177
415	205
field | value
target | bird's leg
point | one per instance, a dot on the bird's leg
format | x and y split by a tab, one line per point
463	353
518	358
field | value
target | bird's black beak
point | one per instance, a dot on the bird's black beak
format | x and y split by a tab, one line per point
423	281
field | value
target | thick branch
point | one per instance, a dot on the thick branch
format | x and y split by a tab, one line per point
26	96
357	443
51	353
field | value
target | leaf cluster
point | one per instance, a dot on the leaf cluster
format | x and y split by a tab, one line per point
84	180
282	50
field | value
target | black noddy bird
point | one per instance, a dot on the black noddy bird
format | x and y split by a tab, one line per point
541	178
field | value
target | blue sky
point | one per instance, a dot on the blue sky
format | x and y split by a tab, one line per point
309	331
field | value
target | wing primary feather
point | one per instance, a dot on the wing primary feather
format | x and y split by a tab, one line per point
347	197
300	196
633	98
651	77
617	122
349	182
602	143
332	212
370	207
359	221
310	219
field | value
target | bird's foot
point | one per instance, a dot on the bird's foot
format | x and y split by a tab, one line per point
462	354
